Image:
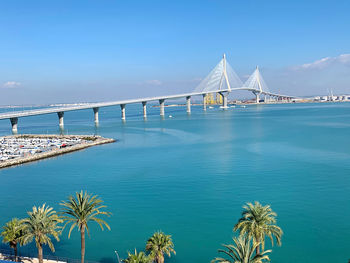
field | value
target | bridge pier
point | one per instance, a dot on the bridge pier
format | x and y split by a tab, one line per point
224	102
188	104
204	102
257	98
122	107
144	109
96	115
224	99
60	119
14	122
161	107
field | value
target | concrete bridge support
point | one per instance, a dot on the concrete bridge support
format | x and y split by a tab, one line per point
257	97
122	107
60	119
224	102
144	109
96	116
224	99
14	122
161	107
205	102
188	104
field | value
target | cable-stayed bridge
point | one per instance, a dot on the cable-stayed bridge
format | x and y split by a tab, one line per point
224	79
221	80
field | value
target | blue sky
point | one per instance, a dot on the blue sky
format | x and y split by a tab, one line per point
70	51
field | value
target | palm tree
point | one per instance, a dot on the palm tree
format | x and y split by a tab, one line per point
12	233
41	225
138	257
158	244
258	221
79	211
242	252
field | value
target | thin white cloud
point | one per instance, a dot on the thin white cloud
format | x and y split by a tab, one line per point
315	78
11	84
154	82
343	59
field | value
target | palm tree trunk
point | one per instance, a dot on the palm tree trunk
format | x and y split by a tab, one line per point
161	259
82	233
258	247
40	253
15	249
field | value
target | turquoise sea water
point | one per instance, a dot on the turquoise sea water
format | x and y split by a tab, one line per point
190	175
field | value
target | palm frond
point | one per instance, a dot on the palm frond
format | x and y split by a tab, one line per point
258	221
42	224
241	251
81	209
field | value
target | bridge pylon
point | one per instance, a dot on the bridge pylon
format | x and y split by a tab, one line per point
257	84
224	77
257	94
221	80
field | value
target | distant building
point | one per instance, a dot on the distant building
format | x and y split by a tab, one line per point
210	100
219	99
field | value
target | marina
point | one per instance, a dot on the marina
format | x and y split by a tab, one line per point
18	149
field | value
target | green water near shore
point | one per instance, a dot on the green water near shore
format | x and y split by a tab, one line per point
190	175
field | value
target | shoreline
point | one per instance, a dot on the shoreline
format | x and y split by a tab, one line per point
88	142
252	103
26	259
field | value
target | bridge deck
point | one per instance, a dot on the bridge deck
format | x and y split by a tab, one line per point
28	113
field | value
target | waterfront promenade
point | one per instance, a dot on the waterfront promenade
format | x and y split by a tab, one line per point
25	259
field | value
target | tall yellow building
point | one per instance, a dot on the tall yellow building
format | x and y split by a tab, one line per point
219	99
210	100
